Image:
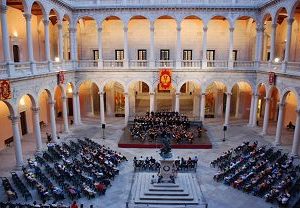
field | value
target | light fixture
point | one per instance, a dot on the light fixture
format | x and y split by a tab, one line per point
56	59
15	34
276	60
22	101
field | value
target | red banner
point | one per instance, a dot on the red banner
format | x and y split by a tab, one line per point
5	91
165	79
60	77
272	78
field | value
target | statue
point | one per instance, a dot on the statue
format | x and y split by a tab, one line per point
166	150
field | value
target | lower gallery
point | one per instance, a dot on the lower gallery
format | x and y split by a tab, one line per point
132	103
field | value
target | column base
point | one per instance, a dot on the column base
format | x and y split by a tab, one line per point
263	134
276	144
294	155
283	66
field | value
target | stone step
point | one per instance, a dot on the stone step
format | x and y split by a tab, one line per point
166	189
169	197
167	193
165	185
166	202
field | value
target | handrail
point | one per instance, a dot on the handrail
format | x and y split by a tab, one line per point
130	191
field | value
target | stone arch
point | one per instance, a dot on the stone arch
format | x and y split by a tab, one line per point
32	99
185	81
49	93
137	80
240	82
105	82
41	5
278	11
286	91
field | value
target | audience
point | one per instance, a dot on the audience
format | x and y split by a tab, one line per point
261	171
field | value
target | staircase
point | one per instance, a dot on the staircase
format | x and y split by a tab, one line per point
184	193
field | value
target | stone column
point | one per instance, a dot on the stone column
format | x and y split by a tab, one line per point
126	108
288	43
73	44
273	39
15	120
152	50
75	117
204	47
227	111
177	104
151	94
102	114
100	59
295	146
78	109
37	128
53	121
126	59
178	47
259	44
237	106
47	40
65	114
29	43
279	125
202	107
251	110
230	57
5	42
254	116
60	42
266	117
5	35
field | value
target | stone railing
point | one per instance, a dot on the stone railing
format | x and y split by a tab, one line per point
165	63
191	64
87	64
20	69
138	64
243	64
23	69
221	64
113	63
128	3
3	70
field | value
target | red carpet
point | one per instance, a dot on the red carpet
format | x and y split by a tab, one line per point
174	146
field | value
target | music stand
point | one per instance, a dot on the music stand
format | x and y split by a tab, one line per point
103	132
224	130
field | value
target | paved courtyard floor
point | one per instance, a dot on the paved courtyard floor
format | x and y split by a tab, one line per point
216	194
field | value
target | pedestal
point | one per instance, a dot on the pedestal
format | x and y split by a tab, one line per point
167	169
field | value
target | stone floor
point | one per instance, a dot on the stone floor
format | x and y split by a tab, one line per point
216	194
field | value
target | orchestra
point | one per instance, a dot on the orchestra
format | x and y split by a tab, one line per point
154	126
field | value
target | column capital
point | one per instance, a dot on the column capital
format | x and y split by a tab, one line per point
177	93
3	8
290	21
14	119
75	93
64	98
203	93
72	30
267	99
228	93
256	95
178	28
281	105
260	29
274	25
27	16
205	28
231	29
298	112
125	28
151	27
151	93
126	94
60	26
46	22
101	93
99	29
51	102
35	109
